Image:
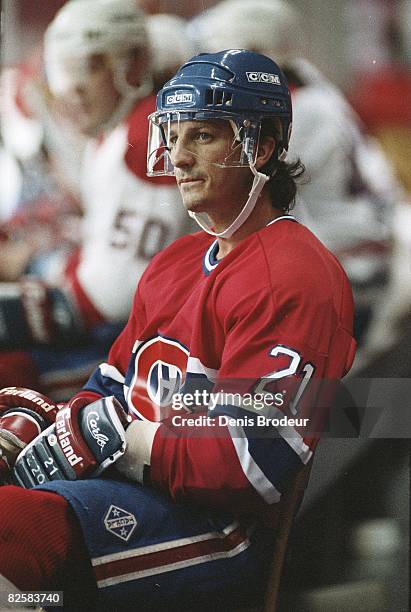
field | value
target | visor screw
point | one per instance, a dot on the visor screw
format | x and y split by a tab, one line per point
263	101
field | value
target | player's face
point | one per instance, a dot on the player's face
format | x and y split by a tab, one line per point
91	97
196	149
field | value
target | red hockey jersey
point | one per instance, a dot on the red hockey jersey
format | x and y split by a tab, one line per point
275	314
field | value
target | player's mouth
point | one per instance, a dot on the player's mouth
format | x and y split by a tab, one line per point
189	180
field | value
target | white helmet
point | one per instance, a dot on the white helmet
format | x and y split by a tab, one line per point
169	43
86	27
270	27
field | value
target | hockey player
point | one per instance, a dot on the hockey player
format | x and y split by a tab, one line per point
253	305
349	193
97	64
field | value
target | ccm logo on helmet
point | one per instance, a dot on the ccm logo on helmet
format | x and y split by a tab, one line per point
263	77
178	98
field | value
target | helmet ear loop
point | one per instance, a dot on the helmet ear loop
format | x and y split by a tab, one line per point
271	167
129	94
279	154
120	67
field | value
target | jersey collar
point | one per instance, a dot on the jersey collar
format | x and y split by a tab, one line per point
210	261
289	217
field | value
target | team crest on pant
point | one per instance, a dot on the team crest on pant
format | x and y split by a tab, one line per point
159	372
120	523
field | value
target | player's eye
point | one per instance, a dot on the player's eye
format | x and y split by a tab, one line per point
204	137
172	140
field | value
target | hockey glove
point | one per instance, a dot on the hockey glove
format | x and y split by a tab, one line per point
23	415
33	313
83	441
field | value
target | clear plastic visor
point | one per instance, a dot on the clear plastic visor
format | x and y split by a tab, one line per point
206	137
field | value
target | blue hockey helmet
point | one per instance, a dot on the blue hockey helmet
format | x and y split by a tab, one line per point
241	86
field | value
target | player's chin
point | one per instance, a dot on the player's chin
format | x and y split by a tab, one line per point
190	200
195	205
195	199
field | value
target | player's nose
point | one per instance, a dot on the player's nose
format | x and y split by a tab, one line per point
181	156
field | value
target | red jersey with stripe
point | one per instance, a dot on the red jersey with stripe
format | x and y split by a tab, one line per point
275	314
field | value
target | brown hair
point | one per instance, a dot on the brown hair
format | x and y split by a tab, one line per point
282	184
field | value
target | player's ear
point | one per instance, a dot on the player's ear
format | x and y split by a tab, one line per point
266	149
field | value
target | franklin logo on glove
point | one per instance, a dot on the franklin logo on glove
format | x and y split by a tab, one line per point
32	396
64	437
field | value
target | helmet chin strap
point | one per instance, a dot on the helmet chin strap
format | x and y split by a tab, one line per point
259	181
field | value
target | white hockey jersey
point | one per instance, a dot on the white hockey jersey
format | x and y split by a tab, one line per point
349	194
128	218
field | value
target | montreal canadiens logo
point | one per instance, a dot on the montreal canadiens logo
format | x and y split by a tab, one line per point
159	372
